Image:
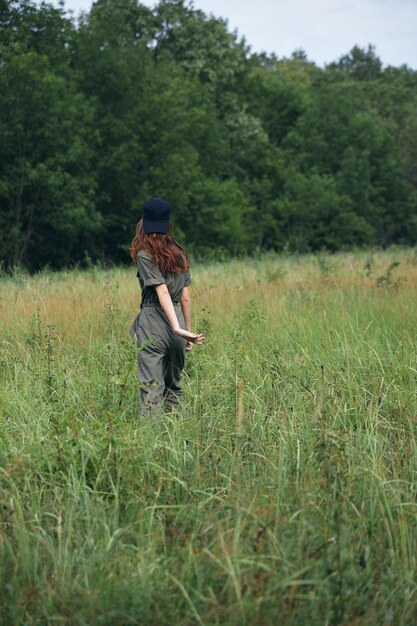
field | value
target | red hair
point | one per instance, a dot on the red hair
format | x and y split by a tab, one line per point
167	254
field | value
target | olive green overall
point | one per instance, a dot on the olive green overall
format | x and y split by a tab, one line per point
161	355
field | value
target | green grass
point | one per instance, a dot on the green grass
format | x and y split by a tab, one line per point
285	491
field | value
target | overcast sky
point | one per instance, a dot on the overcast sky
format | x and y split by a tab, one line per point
325	29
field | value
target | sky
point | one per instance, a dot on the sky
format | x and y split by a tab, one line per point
324	29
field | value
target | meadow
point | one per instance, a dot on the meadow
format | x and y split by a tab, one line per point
284	492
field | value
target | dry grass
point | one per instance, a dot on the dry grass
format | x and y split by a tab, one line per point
68	297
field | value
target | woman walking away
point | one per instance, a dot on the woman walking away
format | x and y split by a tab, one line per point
163	326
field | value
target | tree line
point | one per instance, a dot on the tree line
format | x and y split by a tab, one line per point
255	152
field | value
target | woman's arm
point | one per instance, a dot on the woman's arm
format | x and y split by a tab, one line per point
168	308
186	307
186	311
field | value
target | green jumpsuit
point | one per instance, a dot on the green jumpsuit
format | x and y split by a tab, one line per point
161	354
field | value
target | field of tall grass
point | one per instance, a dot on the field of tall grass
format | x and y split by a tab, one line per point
285	492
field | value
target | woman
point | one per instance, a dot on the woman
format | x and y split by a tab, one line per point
163	326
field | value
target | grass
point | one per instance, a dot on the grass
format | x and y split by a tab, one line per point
285	492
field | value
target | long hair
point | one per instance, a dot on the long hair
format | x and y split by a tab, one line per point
167	254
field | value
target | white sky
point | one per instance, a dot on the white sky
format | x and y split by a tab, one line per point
325	29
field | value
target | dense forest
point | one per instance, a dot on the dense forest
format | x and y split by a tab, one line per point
255	152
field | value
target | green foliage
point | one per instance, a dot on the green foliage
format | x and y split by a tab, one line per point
201	45
360	64
47	187
254	152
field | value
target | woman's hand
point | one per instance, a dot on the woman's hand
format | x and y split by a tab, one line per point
196	338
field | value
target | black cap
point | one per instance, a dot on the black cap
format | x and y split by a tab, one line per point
156	215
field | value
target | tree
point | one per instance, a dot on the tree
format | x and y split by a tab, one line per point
253	151
360	64
46	186
26	26
202	46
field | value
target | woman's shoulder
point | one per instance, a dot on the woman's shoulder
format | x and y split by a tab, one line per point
144	254
145	261
144	258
